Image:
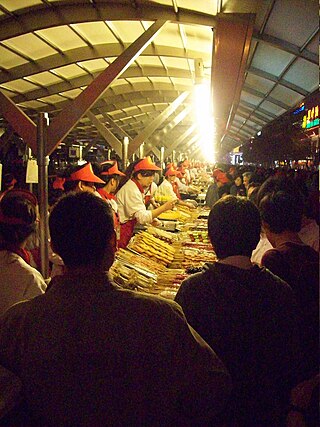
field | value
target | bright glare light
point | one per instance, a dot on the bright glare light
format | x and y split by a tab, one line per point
205	122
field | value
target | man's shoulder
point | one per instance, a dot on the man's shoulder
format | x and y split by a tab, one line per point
152	303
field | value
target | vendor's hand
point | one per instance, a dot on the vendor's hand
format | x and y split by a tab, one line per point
169	205
191	206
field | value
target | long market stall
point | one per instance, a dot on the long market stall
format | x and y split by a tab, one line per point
156	261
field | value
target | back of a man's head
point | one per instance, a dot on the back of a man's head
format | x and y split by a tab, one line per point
81	229
281	204
234	227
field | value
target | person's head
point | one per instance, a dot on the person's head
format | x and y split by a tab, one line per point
82	231
238	180
8	181
81	178
234	227
18	218
281	206
220	177
111	175
144	171
246	178
171	175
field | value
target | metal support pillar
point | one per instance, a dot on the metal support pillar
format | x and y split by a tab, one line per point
230	52
141	151
173	156
162	165
29	156
125	145
43	162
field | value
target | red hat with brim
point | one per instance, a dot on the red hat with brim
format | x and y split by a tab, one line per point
113	170
146	164
86	174
220	177
58	183
171	172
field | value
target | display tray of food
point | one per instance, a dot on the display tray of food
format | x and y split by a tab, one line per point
128	256
152	247
162	234
131	276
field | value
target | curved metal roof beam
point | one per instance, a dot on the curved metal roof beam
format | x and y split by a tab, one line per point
79	82
38	18
82	54
143	87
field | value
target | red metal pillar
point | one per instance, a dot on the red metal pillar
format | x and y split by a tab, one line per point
233	35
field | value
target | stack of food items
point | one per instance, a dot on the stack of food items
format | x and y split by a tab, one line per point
162	235
152	247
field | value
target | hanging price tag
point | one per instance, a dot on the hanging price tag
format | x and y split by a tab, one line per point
32	172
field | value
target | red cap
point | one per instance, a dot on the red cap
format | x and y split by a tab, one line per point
86	174
146	164
171	172
58	183
220	176
113	170
182	170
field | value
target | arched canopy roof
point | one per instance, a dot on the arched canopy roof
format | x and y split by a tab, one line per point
51	50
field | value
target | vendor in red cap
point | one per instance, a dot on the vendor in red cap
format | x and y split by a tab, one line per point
130	199
82	178
111	175
222	181
169	190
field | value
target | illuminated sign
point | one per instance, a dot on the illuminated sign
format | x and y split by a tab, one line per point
301	108
311	119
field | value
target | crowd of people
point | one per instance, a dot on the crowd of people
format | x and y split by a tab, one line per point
237	348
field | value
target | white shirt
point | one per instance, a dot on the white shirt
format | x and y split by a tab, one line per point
309	234
165	189
131	204
19	281
262	247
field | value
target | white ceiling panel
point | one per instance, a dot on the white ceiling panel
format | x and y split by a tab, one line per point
62	37
285	95
127	31
95	32
30	46
259	83
44	79
293	20
13	5
20	85
274	109
94	65
10	59
304	74
271	59
248	97
69	71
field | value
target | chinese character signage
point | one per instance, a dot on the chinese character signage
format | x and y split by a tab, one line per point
311	118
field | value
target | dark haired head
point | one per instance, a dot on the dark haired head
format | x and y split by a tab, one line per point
281	211
234	227
17	219
281	204
75	236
